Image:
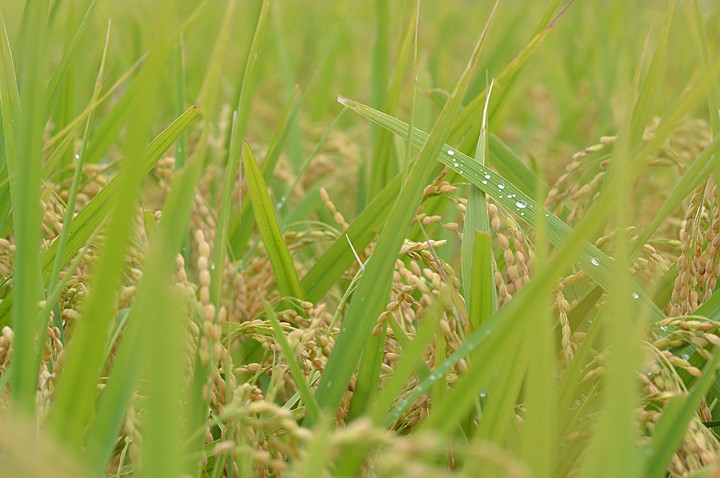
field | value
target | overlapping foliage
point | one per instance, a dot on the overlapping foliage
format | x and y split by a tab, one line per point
239	241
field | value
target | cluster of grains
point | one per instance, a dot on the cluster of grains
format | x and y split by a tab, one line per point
53	214
259	436
336	157
202	219
164	170
211	350
662	383
678	332
699	262
337	216
425	454
309	332
6	340
687	141
417	454
648	266
403	308
298	239
250	286
418	285
97	176
561	308
441	187
70	303
574	190
133	435
186	292
514	272
7	251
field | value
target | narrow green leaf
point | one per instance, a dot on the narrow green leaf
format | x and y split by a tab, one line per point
238	130
540	433
702	43
280	258
500	396
210	88
368	378
241	224
70	55
477	219
164	344
484	302
181	146
24	169
381	161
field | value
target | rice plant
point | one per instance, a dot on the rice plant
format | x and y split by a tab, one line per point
317	239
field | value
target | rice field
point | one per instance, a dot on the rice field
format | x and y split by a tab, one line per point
283	238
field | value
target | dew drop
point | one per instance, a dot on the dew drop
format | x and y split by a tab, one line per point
451	152
329	384
484	181
635	295
212	266
594	261
520	204
501	186
77	156
487	176
664	328
483	394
